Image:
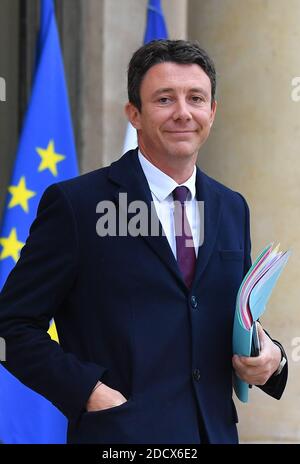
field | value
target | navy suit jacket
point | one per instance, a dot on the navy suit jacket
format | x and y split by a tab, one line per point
125	316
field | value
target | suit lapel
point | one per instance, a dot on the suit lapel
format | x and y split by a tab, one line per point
129	178
212	207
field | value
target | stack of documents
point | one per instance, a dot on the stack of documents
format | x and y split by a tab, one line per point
253	295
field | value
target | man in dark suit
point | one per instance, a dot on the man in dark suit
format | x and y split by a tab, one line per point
144	318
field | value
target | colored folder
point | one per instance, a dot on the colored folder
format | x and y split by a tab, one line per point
252	297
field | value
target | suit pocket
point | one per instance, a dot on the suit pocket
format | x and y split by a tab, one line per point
104	412
231	255
113	425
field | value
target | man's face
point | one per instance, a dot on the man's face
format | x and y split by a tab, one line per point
176	114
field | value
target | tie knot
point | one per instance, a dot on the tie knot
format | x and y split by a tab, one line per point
180	194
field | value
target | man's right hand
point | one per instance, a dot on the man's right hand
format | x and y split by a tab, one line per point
104	397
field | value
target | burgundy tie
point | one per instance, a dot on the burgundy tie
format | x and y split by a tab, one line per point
186	256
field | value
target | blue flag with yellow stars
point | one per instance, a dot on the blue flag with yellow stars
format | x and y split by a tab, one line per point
46	154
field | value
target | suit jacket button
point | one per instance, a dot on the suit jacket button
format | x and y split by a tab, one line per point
194	302
196	375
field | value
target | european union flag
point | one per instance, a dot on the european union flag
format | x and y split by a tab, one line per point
155	29
46	154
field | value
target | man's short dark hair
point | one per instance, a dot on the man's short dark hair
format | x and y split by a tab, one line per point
163	51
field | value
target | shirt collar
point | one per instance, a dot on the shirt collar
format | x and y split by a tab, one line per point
162	185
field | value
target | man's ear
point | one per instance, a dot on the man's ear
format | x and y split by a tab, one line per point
133	115
213	112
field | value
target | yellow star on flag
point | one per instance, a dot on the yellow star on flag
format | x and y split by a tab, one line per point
20	195
49	158
11	246
53	332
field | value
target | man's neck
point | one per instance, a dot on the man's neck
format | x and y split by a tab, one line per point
180	172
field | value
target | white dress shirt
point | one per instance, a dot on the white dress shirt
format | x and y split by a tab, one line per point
161	187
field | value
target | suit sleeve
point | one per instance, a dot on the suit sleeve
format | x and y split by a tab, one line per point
33	294
276	384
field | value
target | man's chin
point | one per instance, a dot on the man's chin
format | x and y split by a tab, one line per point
184	151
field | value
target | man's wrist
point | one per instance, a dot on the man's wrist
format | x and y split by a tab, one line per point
282	362
281	366
96	386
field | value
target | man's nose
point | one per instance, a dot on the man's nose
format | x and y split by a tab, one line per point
181	111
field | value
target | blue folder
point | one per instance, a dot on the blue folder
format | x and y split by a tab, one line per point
252	298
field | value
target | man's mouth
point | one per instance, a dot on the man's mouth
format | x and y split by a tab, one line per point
181	132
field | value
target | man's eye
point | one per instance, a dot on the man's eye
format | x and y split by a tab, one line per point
197	99
164	100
